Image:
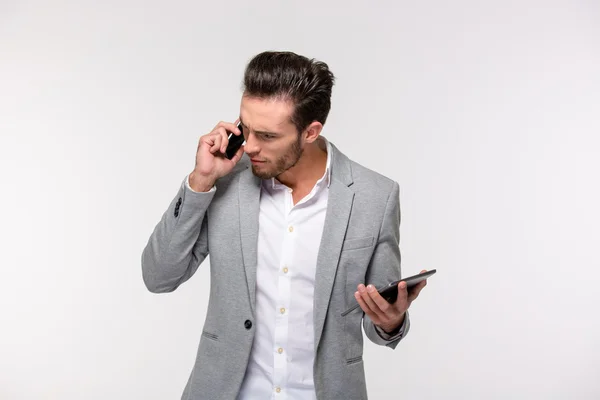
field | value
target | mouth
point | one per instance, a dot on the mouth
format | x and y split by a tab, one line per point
254	161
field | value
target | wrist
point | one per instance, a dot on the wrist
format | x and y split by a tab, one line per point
393	329
200	183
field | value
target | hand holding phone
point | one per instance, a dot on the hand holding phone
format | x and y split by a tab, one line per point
390	291
216	155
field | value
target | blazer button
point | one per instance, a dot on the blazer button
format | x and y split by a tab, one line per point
177	207
248	324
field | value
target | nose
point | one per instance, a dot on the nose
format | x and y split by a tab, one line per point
251	147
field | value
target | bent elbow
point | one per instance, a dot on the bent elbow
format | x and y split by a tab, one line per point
153	278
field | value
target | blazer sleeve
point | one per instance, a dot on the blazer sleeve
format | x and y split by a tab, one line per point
179	242
385	267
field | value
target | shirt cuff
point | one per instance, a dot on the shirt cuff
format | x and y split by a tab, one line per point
187	183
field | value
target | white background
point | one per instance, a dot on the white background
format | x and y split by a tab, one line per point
486	113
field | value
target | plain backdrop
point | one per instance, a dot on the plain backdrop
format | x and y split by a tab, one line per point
486	113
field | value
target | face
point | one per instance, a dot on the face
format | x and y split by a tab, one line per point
272	141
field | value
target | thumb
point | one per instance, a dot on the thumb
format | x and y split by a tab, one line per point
402	291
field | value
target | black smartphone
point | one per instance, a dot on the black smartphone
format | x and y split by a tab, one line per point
390	291
235	142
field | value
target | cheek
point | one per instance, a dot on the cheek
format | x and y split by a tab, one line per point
272	152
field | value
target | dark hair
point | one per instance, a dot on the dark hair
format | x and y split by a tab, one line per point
289	76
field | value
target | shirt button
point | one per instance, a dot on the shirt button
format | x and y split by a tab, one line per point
290	190
280	350
248	324
291	229
282	310
285	270
278	389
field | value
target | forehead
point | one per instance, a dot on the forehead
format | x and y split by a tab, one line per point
268	114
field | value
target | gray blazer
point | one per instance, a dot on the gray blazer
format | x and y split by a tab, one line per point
360	243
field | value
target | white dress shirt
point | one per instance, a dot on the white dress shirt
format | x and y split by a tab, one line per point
281	361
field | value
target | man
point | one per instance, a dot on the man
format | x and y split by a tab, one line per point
294	229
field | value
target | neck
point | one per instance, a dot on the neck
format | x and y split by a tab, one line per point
309	168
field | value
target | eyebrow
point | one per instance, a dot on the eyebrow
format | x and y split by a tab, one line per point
260	132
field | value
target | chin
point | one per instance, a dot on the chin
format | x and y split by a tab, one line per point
262	173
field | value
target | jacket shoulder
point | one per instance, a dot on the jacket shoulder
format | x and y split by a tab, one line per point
367	179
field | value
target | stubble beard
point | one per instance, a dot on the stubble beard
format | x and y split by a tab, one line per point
283	163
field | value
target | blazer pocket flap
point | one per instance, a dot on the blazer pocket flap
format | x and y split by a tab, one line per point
209	335
358	243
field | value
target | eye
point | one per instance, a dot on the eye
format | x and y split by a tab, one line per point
265	136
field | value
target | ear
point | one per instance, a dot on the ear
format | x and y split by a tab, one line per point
313	131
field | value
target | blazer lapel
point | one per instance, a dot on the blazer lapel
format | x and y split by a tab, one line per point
249	208
339	206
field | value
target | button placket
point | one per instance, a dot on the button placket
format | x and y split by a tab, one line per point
281	334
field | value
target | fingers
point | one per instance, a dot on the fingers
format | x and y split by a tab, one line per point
224	139
402	293
374	305
381	303
414	291
229	127
362	304
366	296
220	135
217	140
378	308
